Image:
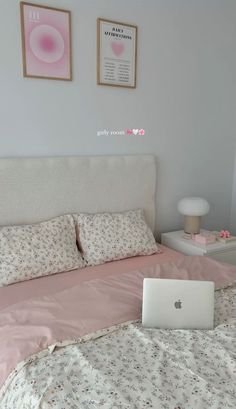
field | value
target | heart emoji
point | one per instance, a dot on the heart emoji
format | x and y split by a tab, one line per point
135	131
117	47
141	132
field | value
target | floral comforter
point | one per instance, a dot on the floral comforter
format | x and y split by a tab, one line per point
128	366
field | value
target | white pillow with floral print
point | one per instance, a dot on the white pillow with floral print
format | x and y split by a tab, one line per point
113	236
37	250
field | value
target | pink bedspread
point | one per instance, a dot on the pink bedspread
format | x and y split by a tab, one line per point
54	283
83	301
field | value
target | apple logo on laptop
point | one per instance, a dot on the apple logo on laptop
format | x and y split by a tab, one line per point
178	304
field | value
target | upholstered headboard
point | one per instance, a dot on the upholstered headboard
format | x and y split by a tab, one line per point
36	189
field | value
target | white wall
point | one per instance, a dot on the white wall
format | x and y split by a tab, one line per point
185	97
233	205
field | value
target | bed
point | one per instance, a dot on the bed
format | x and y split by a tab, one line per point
74	339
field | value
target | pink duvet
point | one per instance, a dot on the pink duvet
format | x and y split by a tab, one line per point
36	314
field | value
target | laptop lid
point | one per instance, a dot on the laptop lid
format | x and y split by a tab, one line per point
178	304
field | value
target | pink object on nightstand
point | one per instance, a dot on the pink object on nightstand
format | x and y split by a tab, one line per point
205	238
225	234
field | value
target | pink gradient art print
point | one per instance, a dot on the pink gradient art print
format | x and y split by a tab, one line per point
46	42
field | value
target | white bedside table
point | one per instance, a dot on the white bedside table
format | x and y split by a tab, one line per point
225	252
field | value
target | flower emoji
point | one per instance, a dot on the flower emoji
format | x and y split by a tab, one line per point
141	132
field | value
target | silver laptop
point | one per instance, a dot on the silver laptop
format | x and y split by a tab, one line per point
178	304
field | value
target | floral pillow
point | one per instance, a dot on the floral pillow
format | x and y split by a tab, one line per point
113	236
36	250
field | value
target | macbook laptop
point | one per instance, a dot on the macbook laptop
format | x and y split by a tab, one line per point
178	304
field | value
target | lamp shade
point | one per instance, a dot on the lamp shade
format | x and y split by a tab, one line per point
193	206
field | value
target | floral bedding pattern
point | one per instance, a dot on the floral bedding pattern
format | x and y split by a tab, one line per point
36	250
105	237
131	367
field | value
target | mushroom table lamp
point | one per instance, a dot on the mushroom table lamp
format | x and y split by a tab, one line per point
193	208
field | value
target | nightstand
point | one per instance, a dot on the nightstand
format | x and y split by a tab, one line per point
225	252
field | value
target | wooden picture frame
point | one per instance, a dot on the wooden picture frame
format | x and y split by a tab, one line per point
46	42
116	53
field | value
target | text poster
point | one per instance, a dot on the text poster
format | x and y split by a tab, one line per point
117	54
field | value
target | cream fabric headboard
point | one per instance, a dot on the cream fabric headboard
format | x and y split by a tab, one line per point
36	189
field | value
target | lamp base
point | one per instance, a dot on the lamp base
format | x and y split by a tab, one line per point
192	224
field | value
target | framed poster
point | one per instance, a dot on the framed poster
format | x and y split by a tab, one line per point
116	53
46	42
